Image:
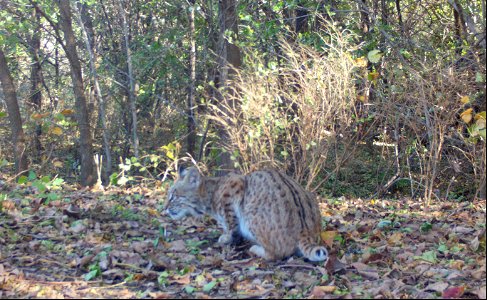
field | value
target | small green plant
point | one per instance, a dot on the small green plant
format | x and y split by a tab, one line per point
162	279
45	186
94	272
194	245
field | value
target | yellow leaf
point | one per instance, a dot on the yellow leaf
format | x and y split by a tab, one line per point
327	237
464	99
373	75
360	62
67	112
480	115
395	238
467	115
361	98
57	131
57	164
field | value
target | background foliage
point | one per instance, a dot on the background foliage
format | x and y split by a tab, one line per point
359	98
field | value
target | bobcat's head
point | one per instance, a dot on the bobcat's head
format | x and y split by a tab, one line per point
183	198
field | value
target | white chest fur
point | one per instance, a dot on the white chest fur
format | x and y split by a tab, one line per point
243	224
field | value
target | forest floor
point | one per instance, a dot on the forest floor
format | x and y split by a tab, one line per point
117	244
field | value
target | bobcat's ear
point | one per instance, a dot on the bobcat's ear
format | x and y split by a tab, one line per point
191	176
181	172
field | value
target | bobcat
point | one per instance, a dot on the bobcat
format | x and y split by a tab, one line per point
266	207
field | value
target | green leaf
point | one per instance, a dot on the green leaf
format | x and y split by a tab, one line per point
479	77
57	182
425	227
189	289
32	175
429	256
443	248
384	224
22	179
52	196
209	286
114	178
3	114
162	279
41	186
95	271
374	56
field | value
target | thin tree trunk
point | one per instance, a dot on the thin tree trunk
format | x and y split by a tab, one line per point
102	105
131	80
36	79
466	21
85	141
229	58
399	15
18	137
191	138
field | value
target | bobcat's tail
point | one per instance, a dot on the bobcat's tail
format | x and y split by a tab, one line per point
311	250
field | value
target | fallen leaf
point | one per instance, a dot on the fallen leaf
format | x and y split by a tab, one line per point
436	287
319	292
366	271
474	244
327	237
453	292
395	239
185	279
177	246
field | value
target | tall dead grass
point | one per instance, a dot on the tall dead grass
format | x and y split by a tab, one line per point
291	112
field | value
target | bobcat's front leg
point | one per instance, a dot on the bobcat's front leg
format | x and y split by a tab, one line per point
230	229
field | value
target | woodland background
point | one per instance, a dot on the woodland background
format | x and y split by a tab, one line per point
350	97
377	106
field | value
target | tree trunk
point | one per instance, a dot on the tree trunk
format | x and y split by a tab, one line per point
18	137
191	138
101	101
36	79
88	177
131	81
229	58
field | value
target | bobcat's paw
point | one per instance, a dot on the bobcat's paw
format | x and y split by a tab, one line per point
225	239
258	251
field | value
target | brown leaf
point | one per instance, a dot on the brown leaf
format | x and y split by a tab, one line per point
177	246
453	292
320	292
184	280
334	264
395	239
366	270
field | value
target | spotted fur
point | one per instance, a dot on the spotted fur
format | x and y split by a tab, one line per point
266	207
